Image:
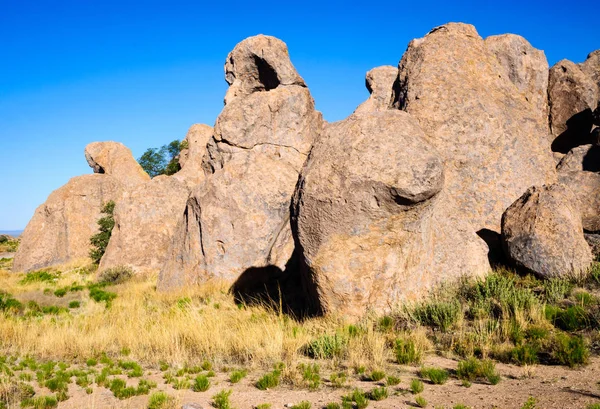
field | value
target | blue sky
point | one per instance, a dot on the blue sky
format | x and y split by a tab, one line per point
74	72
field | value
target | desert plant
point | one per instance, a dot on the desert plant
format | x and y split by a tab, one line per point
160	400
420	401
310	375
338	379
41	276
569	350
74	304
201	384
473	369
407	352
268	381
115	275
376	376
333	405
237	376
416	386
358	397
326	346
436	313
392	381
99	241
380	393
221	400
302	405
530	403
437	376
526	354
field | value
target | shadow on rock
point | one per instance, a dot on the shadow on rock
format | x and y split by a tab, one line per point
282	290
578	132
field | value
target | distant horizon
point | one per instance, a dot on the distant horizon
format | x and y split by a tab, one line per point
143	75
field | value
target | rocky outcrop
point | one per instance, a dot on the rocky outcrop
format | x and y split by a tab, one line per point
365	216
192	156
489	135
145	220
542	233
591	67
572	97
60	229
380	83
526	67
115	159
238	218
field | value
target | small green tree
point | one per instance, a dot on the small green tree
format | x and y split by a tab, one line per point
163	161
100	240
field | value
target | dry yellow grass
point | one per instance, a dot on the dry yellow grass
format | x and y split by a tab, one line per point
181	327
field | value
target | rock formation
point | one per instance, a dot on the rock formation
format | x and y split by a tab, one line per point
145	220
191	157
491	137
542	233
60	229
238	218
380	83
113	158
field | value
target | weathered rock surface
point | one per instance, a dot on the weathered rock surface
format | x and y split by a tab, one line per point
115	159
364	216
572	97
542	233
191	158
145	221
380	82
60	229
591	67
594	241
491	138
238	218
526	67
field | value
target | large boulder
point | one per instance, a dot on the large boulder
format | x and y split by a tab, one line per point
572	96
145	221
238	218
579	170
591	67
492	140
61	228
526	67
369	219
192	156
115	159
542	233
380	83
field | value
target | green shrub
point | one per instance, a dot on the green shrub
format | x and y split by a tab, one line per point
437	376
115	275
392	381
8	303
263	406
593	406
99	241
41	402
268	381
407	352
530	403
135	370
461	406
221	400
237	376
74	304
437	314
338	379
326	347
376	376
302	405
310	375
99	295
421	402
569	350
91	362
358	397
333	405
160	400
181	383
61	292
41	276
385	324
557	289
416	386
380	393
201	384
473	369
525	354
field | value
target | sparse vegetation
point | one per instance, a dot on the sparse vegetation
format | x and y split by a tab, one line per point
160	400
99	241
421	402
115	275
437	376
416	386
237	376
201	384
221	400
380	393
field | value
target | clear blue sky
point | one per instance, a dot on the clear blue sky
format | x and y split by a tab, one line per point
73	72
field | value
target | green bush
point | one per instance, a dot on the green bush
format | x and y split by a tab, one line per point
386	323
237	376
525	354
61	292
437	376
302	405
310	375
221	400
530	403
569	350
99	295
99	241
160	400
421	402
376	376
338	379
333	405
41	276
269	380
201	384
380	393
437	314
41	402
416	386
326	347
473	369
392	381
358	397
115	275
8	303
74	304
407	352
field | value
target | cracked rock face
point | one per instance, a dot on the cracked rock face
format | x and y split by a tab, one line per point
60	229
542	233
238	218
367	220
490	137
115	159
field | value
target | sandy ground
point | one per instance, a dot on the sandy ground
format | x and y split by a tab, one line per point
552	386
